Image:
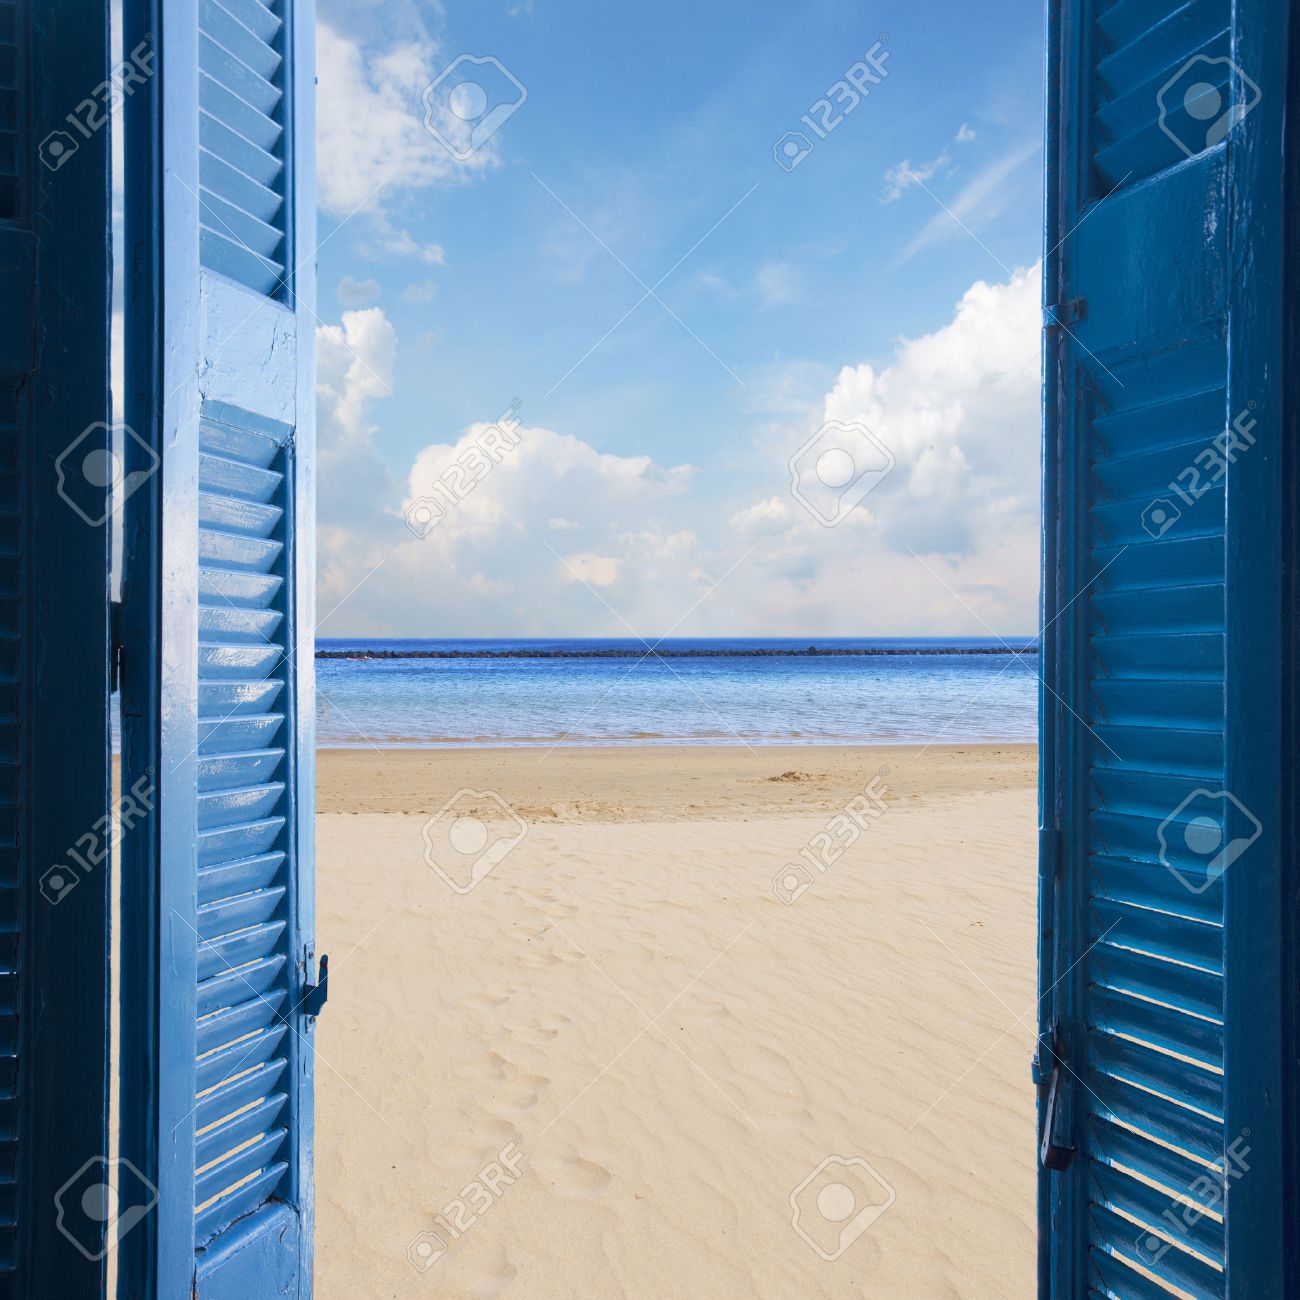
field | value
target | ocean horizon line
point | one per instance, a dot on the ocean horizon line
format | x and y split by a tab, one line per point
623	689
363	648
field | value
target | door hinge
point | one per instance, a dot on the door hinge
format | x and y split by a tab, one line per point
115	646
1054	1150
316	995
1059	314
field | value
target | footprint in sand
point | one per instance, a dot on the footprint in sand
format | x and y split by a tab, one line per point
535	958
514	1091
485	1001
540	1029
520	1094
533	1035
499	1067
480	1142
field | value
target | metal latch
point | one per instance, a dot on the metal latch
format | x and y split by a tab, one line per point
317	994
1054	1149
1060	314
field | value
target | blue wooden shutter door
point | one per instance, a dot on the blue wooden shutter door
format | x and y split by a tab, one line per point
217	1045
1160	1064
54	939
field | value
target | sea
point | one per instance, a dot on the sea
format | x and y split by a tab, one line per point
721	691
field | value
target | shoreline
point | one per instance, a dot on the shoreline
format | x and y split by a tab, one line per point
512	744
665	782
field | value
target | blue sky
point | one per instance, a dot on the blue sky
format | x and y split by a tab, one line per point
888	280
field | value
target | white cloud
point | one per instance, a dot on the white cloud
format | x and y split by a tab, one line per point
487	567
980	199
546	469
390	238
770	516
354	365
964	133
958	408
357	293
944	407
354	362
901	177
371	137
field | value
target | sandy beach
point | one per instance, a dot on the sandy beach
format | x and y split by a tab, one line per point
607	1068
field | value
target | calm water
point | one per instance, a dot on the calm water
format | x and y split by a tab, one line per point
693	691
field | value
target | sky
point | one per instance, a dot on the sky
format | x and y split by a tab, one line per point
593	368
